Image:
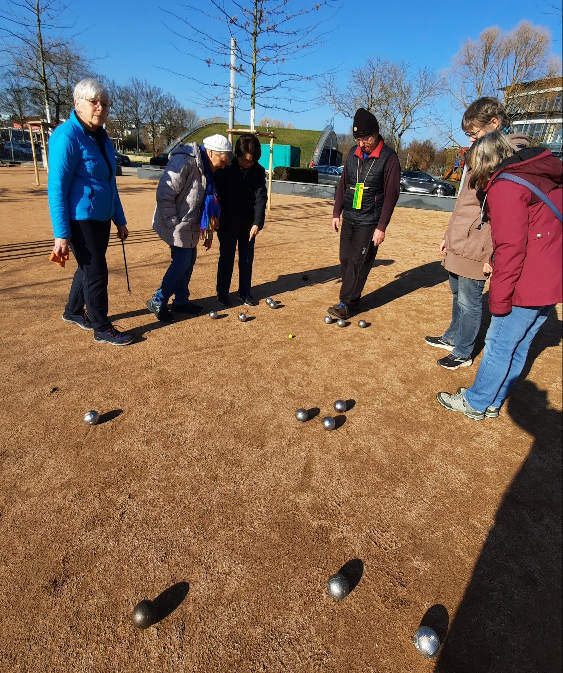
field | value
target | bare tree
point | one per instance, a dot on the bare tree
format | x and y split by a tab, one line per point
15	101
136	90
270	36
24	27
500	60
153	100
174	119
397	97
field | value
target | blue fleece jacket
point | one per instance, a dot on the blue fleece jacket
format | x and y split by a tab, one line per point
81	185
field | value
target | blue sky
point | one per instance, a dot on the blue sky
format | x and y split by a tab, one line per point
129	38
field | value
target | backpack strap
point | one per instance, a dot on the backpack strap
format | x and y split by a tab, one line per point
538	192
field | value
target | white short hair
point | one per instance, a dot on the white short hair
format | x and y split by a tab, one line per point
91	88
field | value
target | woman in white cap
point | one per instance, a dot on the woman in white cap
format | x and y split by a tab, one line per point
187	210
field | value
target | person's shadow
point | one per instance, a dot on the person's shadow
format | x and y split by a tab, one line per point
509	620
426	275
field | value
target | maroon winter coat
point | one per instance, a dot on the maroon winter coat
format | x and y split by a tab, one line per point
526	235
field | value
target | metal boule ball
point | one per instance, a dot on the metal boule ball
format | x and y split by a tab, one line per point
341	323
269	300
91	417
242	317
337	586
143	615
329	319
427	642
362	323
302	415
329	423
340	406
213	314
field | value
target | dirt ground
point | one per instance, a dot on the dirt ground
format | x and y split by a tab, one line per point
199	489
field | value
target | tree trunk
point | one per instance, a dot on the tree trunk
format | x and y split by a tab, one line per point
42	61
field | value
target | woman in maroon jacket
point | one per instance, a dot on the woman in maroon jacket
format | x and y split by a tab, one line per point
526	280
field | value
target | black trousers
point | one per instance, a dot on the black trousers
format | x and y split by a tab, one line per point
89	241
357	254
228	241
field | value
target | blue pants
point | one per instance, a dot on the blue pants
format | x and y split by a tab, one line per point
177	279
507	344
467	310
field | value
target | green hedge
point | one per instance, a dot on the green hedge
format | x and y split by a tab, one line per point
294	174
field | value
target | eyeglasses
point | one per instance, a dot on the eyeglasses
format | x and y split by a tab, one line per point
103	104
473	134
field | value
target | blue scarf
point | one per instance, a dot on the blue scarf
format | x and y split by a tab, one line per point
211	207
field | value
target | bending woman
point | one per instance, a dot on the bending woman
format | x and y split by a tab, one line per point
526	281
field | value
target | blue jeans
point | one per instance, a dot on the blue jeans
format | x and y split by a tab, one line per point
467	309
177	279
506	347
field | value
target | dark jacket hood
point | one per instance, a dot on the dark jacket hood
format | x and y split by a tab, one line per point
535	164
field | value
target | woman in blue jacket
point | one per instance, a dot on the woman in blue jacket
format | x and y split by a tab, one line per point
83	200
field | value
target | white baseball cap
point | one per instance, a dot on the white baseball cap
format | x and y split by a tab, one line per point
217	143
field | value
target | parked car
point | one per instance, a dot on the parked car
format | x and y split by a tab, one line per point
122	159
330	170
424	183
159	160
21	150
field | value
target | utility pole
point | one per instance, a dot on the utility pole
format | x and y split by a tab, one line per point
232	88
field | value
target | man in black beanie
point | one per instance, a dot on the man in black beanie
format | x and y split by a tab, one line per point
366	196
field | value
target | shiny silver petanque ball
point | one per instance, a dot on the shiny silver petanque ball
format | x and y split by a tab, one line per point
329	423
329	319
427	642
302	415
143	615
341	323
340	406
337	586
91	417
213	314
242	317
362	323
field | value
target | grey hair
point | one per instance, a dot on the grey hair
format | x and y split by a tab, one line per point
91	88
486	155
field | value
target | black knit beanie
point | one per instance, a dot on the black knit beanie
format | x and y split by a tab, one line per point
365	124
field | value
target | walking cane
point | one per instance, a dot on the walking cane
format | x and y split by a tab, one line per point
125	262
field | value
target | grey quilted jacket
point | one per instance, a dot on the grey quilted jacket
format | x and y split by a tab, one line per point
180	196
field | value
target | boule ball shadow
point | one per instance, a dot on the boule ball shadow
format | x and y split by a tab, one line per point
146	613
345	580
427	642
91	417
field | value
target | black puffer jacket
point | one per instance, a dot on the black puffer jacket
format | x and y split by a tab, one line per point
243	196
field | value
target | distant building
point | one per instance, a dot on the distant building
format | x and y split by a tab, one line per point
536	110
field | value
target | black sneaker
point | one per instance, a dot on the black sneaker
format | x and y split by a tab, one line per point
114	337
160	310
80	319
339	311
248	301
189	307
438	342
453	362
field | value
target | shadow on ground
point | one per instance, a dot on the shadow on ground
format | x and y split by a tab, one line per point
510	616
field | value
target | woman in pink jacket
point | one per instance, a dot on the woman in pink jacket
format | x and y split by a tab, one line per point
522	195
